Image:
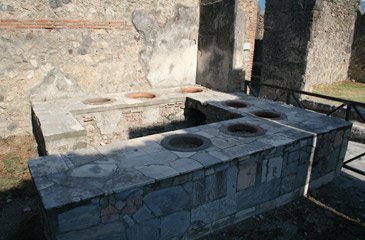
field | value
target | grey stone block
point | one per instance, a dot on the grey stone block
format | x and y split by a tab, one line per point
125	179
155	158
255	195
111	231
57	196
159	172
294	157
122	196
42	183
47	165
84	156
288	183
167	201
143	214
149	230
245	213
314	184
93	171
214	210
232	180
220	223
246	175
288	197
174	225
185	165
209	188
205	159
271	169
128	220
292	168
79	218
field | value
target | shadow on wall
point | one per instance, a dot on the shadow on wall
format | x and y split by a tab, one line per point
192	118
357	62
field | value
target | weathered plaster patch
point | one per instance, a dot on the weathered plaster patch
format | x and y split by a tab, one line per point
170	55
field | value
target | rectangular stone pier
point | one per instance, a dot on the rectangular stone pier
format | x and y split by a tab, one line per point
136	189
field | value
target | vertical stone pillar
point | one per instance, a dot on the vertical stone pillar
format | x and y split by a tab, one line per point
357	63
221	44
306	42
250	8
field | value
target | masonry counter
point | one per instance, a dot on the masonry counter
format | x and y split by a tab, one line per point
186	183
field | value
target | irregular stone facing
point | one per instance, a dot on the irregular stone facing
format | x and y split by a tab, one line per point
175	225
167	209
167	201
79	218
113	231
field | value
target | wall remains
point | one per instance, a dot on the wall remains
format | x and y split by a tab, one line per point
97	46
357	63
287	32
250	8
216	45
226	43
306	43
329	48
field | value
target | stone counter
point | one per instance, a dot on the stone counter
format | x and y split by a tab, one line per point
138	189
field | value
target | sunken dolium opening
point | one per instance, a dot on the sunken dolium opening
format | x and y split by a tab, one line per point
97	101
236	104
269	114
185	142
242	130
138	95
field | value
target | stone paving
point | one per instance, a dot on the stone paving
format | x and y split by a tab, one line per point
136	189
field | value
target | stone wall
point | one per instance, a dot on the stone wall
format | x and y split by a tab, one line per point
105	127
306	43
329	48
226	43
357	63
216	45
287	32
101	47
250	8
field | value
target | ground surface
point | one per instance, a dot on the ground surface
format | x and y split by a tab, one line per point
346	90
335	211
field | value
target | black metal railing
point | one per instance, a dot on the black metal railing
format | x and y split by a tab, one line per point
290	94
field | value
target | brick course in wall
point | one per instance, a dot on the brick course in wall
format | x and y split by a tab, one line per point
96	45
250	8
62	24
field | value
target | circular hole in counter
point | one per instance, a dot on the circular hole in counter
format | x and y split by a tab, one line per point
97	101
191	90
269	114
236	104
242	130
139	95
185	142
